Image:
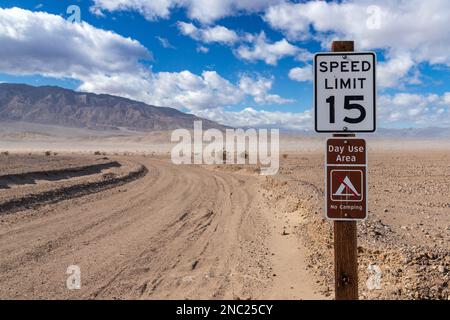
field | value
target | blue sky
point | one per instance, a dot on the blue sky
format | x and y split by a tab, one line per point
237	62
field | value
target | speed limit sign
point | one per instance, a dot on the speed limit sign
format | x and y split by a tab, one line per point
345	92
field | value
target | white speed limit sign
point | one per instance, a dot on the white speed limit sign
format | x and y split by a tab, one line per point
345	92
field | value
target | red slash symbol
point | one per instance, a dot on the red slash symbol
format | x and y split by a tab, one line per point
346	186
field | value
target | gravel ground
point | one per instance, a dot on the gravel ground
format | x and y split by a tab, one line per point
407	235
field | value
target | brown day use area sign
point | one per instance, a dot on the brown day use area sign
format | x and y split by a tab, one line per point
346	179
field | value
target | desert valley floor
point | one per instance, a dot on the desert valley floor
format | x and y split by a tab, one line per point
141	227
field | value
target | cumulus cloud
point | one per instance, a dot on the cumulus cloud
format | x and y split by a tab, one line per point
187	90
105	62
410	31
404	28
422	110
301	74
261	49
246	46
205	11
446	99
250	117
259	89
304	55
218	34
401	109
42	43
151	10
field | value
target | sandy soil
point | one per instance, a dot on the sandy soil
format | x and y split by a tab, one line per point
219	232
177	232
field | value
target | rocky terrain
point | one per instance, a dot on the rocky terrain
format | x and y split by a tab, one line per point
407	235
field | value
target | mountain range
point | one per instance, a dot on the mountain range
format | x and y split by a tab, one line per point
53	105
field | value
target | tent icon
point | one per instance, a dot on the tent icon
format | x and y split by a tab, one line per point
346	185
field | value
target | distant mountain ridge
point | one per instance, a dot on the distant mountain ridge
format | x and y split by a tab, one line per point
63	107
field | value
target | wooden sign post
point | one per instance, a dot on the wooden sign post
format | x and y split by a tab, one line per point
344	104
345	239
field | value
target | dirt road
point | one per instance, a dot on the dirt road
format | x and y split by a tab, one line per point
179	232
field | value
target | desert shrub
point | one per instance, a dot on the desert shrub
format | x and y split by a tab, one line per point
97	153
5	153
48	153
285	156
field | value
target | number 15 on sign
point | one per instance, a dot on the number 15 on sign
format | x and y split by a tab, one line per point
345	92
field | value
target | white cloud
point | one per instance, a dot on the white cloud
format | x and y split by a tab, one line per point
151	10
186	90
165	43
249	117
446	99
411	31
218	34
96	12
247	46
42	43
105	62
304	55
202	49
415	109
261	49
205	11
394	70
402	109
301	74
181	90
259	89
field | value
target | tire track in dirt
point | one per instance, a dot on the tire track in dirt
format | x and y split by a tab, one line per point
178	232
